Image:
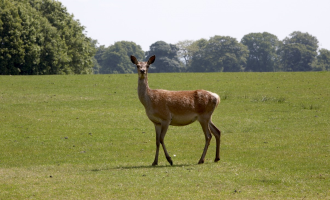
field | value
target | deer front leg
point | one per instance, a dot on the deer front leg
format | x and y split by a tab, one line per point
158	131
161	130
162	136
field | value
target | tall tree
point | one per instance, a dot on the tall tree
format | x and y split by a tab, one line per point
199	61
11	53
98	53
186	50
298	52
41	37
219	54
79	47
262	52
115	58
322	62
166	57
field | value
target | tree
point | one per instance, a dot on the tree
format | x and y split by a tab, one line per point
322	62
10	31
262	52
166	57
96	65
298	52
40	37
186	50
218	54
80	50
198	60
115	58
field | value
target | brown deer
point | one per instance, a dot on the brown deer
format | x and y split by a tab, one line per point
177	108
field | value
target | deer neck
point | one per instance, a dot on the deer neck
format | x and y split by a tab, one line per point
143	90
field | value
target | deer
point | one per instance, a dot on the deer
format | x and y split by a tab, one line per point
177	108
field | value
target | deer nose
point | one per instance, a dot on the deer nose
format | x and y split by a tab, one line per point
142	71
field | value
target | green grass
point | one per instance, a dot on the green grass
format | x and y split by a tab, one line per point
87	137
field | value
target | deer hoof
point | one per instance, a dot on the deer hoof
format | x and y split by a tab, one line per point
201	162
169	160
216	160
154	163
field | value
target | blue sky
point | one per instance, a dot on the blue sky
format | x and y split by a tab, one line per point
147	21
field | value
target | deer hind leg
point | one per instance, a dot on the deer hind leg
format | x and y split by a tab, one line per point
208	137
161	130
217	134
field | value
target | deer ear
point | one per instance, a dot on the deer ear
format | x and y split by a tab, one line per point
151	60
134	60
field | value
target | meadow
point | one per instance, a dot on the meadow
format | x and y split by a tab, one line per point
88	137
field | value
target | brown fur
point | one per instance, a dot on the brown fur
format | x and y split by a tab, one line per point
177	108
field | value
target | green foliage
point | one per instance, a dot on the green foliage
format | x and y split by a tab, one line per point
10	30
262	52
96	65
115	59
98	58
166	56
41	37
298	52
218	54
322	62
88	137
185	52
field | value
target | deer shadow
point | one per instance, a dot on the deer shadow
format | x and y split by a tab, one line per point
143	167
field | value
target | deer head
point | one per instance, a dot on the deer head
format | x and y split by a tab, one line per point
142	67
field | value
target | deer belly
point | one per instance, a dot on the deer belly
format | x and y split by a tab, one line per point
174	118
182	120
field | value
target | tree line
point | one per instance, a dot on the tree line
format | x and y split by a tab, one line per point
256	52
41	37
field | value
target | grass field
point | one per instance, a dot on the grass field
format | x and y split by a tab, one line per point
87	137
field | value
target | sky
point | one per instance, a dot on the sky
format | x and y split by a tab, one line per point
148	21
